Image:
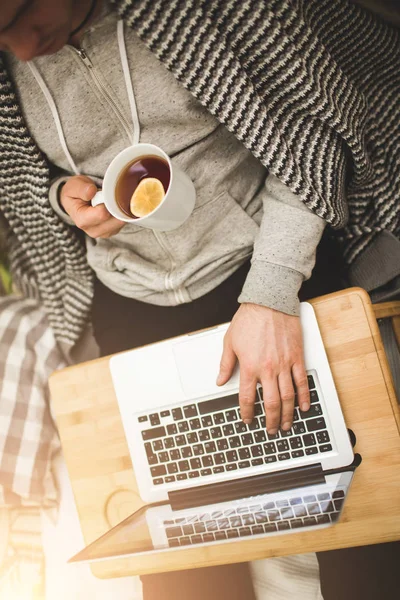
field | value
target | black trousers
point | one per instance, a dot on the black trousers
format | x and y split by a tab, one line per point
122	323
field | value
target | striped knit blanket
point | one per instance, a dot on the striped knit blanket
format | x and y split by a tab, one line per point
311	87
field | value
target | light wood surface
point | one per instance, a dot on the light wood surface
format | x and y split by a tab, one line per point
104	485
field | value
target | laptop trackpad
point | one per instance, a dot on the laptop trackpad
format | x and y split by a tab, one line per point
197	359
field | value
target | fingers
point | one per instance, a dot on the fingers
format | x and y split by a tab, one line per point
247	394
227	364
286	391
301	383
96	222
272	404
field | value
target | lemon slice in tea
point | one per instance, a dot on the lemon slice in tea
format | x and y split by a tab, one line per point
147	196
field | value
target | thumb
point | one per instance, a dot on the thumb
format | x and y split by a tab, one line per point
227	364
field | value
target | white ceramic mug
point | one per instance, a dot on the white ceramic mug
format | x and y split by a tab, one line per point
175	207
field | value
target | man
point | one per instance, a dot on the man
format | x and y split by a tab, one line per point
257	109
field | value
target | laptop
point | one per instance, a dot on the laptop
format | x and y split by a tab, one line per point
205	476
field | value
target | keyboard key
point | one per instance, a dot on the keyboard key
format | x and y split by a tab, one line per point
247	439
152	434
228	430
181	476
215	432
296	442
180	440
309	440
172	429
248	519
315	424
257	451
218	404
313	509
210	447
240	427
334	516
158	445
339	503
158	471
287	433
208	537
185	541
311	384
207	461
183	427
310	499
294	501
321	519
196	539
338	494
273	436
297	453
198	449
258	410
314	397
261	517
298	428
270	459
195	463
232	456
310	521
323	437
199	527
259	436
283	525
274	515
172	468
205	472
284	456
296	523
220	535
243	531
299	510
163	457
177	414
175	454
270	448
173	532
324	496
234	442
244	453
188	529
270	528
165	413
173	543
231	467
219	458
263	422
190	411
192	437
194	474
152	459
282	445
222	444
154	419
287	513
255	424
230	415
169	479
168	443
257	529
207	421
194	424
142	419
269	505
184	465
233	533
325	448
315	410
256	462
311	450
244	464
219	418
158	481
327	507
204	435
211	525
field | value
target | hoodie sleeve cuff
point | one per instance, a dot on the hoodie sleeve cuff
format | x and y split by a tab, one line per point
274	286
54	199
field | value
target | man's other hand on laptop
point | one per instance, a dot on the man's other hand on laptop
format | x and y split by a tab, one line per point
269	347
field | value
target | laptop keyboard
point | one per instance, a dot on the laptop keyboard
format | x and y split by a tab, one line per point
197	440
282	515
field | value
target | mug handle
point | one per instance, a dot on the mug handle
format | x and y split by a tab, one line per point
97	198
